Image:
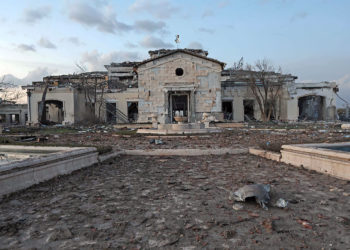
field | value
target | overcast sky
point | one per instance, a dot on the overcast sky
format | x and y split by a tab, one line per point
307	38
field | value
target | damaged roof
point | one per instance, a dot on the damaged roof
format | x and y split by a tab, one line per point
186	51
122	64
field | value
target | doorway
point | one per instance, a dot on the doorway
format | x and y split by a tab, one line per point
179	103
311	108
227	109
111	112
248	110
133	111
54	113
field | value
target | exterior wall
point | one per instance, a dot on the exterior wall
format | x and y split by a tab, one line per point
65	95
6	110
201	79
287	105
238	94
83	111
121	99
297	90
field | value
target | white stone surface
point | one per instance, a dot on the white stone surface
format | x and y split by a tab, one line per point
59	161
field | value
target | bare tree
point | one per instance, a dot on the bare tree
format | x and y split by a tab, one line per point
9	92
94	89
266	84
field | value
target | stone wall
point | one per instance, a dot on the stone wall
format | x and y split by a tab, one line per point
121	99
200	79
323	89
66	95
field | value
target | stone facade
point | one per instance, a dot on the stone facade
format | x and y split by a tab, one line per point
180	82
69	99
197	80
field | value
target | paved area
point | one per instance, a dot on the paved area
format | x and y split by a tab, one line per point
137	202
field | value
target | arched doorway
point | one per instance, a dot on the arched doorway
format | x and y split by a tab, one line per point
311	108
54	112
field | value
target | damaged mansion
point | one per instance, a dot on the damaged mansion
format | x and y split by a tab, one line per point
174	82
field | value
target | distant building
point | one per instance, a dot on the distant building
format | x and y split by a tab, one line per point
179	81
12	113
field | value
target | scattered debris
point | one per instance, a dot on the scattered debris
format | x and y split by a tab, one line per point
158	142
281	203
258	191
304	223
237	206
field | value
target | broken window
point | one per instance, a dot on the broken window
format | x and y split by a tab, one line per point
133	111
227	110
248	110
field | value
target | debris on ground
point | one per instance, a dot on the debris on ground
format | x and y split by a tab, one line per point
304	223
258	191
237	206
158	142
175	202
281	203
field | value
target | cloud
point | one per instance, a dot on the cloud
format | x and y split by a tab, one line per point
75	40
130	45
149	26
26	47
206	30
36	74
195	45
95	60
34	15
223	4
300	15
101	16
207	13
154	42
45	43
33	75
161	9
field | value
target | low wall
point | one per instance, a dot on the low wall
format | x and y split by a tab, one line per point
18	175
314	157
265	154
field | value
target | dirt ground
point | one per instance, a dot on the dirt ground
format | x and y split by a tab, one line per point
178	203
229	138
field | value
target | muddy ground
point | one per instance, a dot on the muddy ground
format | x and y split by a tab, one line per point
178	203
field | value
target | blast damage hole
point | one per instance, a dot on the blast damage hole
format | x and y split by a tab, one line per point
179	71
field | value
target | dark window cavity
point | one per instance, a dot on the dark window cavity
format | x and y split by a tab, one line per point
179	71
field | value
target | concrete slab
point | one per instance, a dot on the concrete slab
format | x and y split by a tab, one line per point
23	173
